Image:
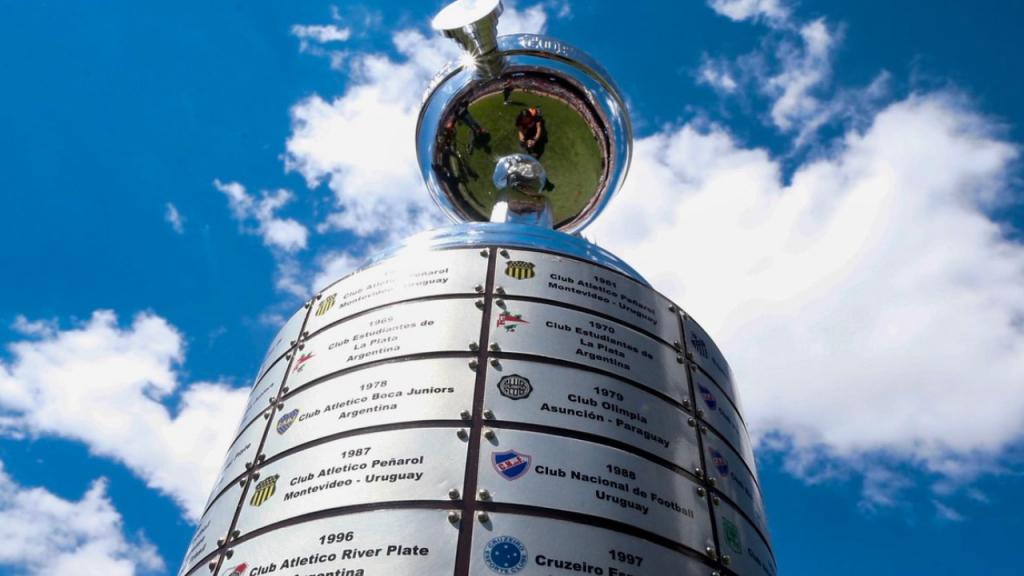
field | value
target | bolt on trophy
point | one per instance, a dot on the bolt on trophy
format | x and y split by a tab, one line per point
499	396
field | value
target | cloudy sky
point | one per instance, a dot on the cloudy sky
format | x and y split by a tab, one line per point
833	188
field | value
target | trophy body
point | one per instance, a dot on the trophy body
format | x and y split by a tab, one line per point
499	396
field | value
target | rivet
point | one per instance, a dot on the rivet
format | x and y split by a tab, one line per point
700	412
495	347
271	400
711	481
302	346
715	500
248	465
671	308
495	362
212	565
462	434
479	288
479	304
453	494
473	364
236	533
261	457
489	434
220	541
266	415
716	573
305	333
500	303
285	390
675	344
700	491
679	359
709	551
689	354
704	430
454	517
725	559
699	472
500	289
242	482
484	253
288	356
255	475
488	415
484	494
229	554
504	253
483	517
474	346
691	422
686	403
466	415
291	342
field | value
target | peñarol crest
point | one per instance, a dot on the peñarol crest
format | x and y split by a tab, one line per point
326	304
520	270
264	490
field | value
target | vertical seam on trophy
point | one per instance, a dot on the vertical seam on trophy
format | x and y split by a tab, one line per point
469	502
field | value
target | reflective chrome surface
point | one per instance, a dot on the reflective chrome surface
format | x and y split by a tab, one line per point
533	96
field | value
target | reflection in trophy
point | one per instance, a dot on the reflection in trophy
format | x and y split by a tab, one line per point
498	396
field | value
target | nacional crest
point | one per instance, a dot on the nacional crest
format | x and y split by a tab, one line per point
509	321
505	555
238	570
708	396
286	420
264	490
721	464
515	387
520	270
511	465
301	362
325	305
732	535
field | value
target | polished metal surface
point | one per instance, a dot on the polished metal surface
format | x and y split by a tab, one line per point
395	331
719	413
703	350
560	547
732	478
263	392
243	451
576	476
414	275
520	95
564	397
559	333
740	546
380	543
417	390
560	279
213	526
287	336
421	464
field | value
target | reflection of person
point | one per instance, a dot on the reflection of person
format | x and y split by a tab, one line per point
462	113
530	125
506	93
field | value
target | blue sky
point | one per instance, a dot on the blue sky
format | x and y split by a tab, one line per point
833	188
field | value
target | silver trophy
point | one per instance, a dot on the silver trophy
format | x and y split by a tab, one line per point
498	396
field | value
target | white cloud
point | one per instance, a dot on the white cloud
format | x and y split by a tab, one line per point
321	34
870	306
284	234
105	385
333	266
174	218
43	534
26	327
739	10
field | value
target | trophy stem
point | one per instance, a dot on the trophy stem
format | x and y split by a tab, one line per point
473	24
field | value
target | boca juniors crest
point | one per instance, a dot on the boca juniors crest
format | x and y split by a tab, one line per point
510	464
520	270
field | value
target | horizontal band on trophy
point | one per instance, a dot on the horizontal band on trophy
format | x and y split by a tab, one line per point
716	412
212	528
703	351
240	457
285	339
741	547
732	479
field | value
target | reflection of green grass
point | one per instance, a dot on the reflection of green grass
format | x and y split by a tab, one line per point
571	158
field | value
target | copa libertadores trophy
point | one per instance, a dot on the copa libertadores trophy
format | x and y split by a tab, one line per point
499	396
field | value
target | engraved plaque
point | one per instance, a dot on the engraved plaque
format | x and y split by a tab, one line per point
288	334
542	546
716	409
572	399
416	464
418	276
213	526
567	474
551	277
413	328
380	543
243	450
706	354
554	332
747	553
732	478
265	389
429	389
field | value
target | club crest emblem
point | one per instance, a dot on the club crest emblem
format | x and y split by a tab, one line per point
286	420
238	570
708	396
509	321
721	464
505	555
732	536
520	270
301	362
326	304
515	387
510	464
264	490
700	346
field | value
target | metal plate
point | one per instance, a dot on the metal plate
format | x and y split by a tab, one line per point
554	332
567	474
541	275
545	546
430	389
288	334
574	399
416	276
266	388
734	480
419	464
747	553
242	451
705	353
414	328
715	409
381	543
213	526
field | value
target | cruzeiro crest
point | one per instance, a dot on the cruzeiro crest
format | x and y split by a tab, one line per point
709	397
286	420
264	490
732	535
326	304
505	555
510	464
721	464
520	270
515	387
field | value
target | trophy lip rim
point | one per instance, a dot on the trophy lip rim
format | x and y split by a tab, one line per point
457	20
